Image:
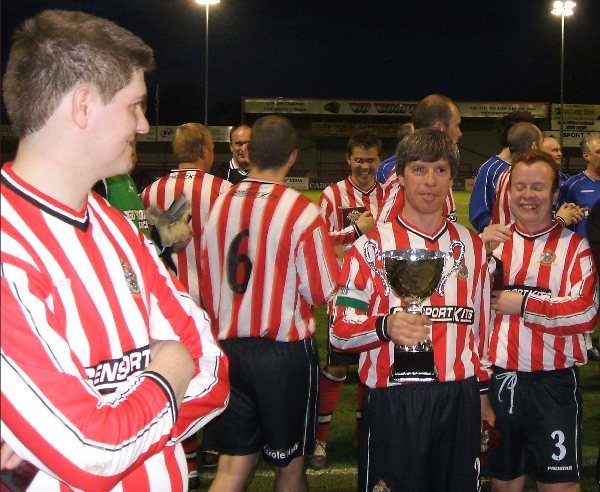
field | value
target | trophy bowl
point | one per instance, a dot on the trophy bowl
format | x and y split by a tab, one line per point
413	275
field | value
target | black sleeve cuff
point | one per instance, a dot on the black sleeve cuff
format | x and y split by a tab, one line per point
356	230
381	329
523	304
167	389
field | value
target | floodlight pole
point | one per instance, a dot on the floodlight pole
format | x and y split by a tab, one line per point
562	8
207	6
562	77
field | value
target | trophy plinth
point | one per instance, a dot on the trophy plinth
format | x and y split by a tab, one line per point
413	275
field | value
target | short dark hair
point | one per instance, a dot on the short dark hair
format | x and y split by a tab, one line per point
504	123
431	109
189	142
367	140
58	49
530	157
522	135
273	140
427	145
404	129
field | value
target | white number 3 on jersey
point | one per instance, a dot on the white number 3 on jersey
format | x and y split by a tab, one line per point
559	437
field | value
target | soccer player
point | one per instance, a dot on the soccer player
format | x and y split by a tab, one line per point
348	208
484	189
433	111
266	259
524	136
194	149
107	364
549	299
583	189
419	436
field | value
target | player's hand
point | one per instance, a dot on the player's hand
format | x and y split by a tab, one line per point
408	329
506	302
338	249
365	222
494	235
9	460
570	213
172	361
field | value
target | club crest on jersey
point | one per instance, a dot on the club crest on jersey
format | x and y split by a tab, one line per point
462	272
353	216
547	257
130	278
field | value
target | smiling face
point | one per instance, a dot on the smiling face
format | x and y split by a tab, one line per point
116	125
363	166
532	194
552	147
426	186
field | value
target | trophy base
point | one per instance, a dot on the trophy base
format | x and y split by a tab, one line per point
413	367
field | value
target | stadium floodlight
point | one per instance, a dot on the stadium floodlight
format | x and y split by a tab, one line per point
564	9
561	8
207	4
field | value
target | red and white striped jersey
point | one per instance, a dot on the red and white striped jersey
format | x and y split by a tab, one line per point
501	212
201	190
266	259
339	201
555	271
393	202
83	297
460	317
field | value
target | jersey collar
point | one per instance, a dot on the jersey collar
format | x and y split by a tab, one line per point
78	219
443	227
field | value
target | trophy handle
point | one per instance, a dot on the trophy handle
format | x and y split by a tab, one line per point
455	266
372	253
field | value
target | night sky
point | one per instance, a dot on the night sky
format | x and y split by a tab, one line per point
506	50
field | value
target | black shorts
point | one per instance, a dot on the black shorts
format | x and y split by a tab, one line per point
421	437
335	357
539	417
273	401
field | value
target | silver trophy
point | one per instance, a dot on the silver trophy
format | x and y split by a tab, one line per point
413	275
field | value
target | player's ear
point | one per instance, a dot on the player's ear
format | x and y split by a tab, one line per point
81	104
438	125
293	157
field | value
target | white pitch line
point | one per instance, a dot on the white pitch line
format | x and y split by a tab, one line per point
335	471
343	471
